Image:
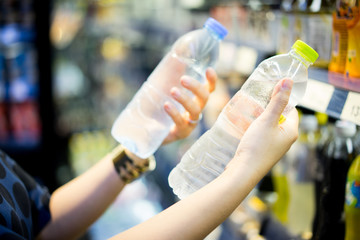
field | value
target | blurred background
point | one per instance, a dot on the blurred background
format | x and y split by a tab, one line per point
69	67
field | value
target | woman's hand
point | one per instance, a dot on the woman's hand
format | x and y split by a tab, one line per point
185	123
266	141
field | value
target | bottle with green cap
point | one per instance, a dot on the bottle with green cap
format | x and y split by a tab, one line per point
207	158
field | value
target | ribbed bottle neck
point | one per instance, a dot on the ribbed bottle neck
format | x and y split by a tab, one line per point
299	56
215	28
213	33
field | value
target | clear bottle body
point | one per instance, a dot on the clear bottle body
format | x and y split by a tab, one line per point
143	124
217	146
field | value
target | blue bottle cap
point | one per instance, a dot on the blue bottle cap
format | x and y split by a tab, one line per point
216	27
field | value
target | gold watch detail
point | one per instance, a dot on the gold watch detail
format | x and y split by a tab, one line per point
127	168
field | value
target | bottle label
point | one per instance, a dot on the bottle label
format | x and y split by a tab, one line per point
353	193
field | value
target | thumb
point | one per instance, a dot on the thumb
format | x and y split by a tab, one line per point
279	100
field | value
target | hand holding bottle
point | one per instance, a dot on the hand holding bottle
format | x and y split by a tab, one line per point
184	123
266	141
211	205
187	121
144	124
209	155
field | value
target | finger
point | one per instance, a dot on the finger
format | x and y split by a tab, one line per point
197	88
189	104
173	113
279	100
211	77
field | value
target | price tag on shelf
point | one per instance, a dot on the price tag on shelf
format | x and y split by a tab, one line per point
317	95
351	110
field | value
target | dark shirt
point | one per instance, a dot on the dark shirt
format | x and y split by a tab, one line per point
24	203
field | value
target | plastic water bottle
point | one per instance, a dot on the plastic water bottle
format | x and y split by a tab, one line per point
143	124
207	158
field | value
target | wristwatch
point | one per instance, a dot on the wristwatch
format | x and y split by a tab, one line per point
127	168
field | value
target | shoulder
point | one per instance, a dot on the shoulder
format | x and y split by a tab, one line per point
24	203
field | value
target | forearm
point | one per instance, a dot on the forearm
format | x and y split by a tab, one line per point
263	144
77	204
197	215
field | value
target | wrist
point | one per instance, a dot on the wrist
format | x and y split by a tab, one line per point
244	164
246	167
129	166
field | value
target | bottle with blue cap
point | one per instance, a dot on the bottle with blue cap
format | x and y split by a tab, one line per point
209	155
143	125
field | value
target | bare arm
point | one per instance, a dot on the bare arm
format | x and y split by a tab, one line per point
77	204
261	147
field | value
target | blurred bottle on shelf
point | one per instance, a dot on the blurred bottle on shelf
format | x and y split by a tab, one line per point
309	21
282	177
301	177
291	26
25	122
19	75
325	131
338	155
357	137
340	37
321	6
352	201
288	5
352	66
23	90
284	33
319	29
325	135
313	23
87	147
307	5
3	109
279	175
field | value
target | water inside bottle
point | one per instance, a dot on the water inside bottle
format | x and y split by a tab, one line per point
168	73
144	124
263	89
241	111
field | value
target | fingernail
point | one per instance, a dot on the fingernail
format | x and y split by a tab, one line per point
175	92
286	84
167	106
185	81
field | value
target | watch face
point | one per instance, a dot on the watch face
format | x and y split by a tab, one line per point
127	168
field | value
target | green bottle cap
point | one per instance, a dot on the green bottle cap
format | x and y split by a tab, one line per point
305	51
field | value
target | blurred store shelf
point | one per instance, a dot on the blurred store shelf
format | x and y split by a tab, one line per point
334	94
